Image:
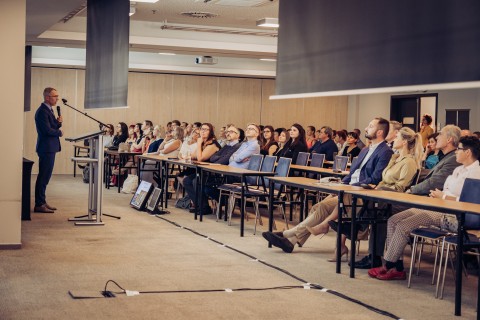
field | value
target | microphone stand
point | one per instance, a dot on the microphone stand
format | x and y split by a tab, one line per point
101	125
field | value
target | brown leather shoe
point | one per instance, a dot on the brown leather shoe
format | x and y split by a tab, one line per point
50	207
43	209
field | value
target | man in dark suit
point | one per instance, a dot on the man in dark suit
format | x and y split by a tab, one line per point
48	144
367	170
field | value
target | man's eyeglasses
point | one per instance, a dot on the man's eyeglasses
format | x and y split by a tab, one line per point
232	131
251	129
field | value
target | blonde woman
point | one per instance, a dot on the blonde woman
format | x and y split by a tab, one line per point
172	146
397	176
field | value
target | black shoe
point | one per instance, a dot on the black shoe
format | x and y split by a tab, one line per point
347	228
191	210
366	262
279	242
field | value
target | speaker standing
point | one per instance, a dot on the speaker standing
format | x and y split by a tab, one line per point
48	144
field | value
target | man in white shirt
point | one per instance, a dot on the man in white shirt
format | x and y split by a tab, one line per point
402	224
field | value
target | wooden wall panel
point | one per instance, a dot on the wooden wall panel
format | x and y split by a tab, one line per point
279	113
329	111
163	97
239	101
195	98
150	97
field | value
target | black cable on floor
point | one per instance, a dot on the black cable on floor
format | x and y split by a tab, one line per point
316	286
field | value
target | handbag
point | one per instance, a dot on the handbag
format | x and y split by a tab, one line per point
130	185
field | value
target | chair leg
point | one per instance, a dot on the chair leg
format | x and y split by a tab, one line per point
420	257
445	271
284	215
412	259
231	207
435	263
245	209
440	269
257	216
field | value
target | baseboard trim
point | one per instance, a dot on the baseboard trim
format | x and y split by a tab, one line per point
10	246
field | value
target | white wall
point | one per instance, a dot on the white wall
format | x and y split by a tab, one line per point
12	64
362	108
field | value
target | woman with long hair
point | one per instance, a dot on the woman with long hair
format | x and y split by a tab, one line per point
310	136
283	138
137	145
121	135
269	146
297	143
207	145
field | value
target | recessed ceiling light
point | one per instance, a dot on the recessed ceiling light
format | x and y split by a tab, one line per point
147	1
167	53
268	23
268	59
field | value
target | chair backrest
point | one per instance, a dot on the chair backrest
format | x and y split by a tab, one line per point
470	193
340	163
268	164
302	158
416	177
282	169
354	161
317	160
255	162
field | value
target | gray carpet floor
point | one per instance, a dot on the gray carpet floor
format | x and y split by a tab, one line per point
176	258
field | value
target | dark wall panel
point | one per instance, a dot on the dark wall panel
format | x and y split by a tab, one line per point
106	80
329	45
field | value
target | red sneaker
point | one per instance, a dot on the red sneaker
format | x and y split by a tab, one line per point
393	274
374	272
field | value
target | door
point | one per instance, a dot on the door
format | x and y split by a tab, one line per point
405	110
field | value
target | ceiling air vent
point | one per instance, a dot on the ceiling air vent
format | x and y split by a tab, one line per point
199	14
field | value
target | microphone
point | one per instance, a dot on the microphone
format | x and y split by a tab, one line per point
58	111
64	101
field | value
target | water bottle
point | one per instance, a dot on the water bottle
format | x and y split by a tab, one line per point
188	157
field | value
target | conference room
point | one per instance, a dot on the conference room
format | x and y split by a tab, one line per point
326	65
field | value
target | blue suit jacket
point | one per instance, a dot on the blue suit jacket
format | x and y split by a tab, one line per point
47	130
371	172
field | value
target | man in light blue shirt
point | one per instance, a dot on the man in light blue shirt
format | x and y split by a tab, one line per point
249	147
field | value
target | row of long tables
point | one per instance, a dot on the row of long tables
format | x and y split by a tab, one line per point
414	201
